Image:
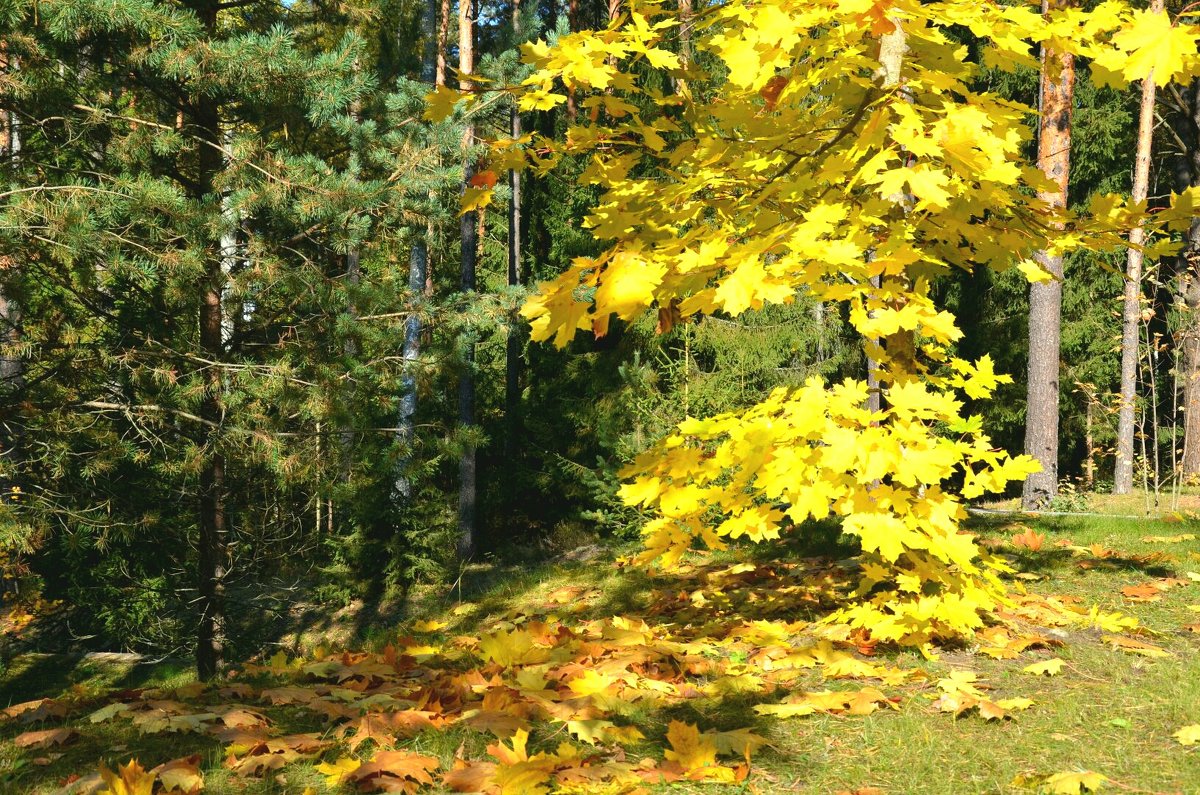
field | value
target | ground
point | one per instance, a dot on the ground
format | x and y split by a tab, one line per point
578	654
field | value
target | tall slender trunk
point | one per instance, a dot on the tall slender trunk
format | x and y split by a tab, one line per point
12	364
432	59
1189	277
1190	288
1132	313
513	363
892	48
1045	298
572	26
469	231
213	540
686	12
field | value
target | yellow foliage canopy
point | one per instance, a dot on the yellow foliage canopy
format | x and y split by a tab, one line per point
811	166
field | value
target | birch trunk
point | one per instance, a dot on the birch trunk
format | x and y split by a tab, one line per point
513	364
1132	312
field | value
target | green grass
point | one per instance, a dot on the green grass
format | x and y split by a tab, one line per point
1108	711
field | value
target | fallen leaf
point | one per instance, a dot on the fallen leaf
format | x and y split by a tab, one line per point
429	626
1029	539
1074	783
1044	668
180	775
1134	646
130	779
689	749
1188	735
45	739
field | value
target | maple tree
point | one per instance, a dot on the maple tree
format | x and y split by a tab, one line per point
805	167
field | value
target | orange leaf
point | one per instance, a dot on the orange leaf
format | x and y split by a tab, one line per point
484	179
45	739
1029	540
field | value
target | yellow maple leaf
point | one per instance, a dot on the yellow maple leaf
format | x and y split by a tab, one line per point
1074	783
429	626
1188	735
1044	668
439	103
336	772
1155	47
475	199
590	683
689	748
129	779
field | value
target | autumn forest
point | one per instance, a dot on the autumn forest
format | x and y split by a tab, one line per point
635	396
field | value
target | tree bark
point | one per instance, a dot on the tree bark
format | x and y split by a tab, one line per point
213	540
443	39
1045	298
892	48
1189	277
1132	313
433	59
468	228
12	364
572	26
513	362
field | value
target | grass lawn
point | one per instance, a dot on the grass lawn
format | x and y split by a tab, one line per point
1109	710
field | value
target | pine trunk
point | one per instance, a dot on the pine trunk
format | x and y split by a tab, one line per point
1132	313
469	230
443	40
1045	298
213	543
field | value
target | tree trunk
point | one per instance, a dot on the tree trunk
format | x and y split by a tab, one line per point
1132	314
433	59
686	12
213	542
469	231
514	364
443	39
12	364
892	48
1045	298
1189	277
572	26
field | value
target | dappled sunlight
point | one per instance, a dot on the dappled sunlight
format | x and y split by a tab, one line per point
588	680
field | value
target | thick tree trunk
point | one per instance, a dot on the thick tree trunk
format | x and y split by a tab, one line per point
469	231
443	39
514	364
1131	315
1045	298
213	541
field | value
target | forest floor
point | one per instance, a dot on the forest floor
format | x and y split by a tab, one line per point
600	677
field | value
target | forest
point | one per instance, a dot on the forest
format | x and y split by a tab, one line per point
448	376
